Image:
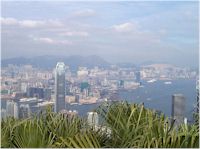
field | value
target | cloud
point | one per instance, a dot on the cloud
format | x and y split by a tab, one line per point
84	13
127	33
125	27
31	23
133	33
52	41
9	21
75	33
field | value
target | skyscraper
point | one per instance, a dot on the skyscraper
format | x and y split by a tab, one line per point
3	113
24	111
93	118
178	108
47	93
137	76
35	92
12	109
60	87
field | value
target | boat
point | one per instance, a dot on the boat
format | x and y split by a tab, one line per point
148	99
74	103
168	82
152	80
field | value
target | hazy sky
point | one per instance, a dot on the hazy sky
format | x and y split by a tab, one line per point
117	31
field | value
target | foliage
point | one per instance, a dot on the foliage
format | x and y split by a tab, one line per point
122	125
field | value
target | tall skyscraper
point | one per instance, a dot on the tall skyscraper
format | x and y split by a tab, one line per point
178	108
137	76
47	93
60	87
3	113
93	118
12	109
24	111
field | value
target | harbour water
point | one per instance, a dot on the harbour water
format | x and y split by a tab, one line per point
156	95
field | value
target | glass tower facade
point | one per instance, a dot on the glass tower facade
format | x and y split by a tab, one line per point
178	108
93	119
60	87
12	109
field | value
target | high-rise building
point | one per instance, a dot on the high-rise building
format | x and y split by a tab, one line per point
12	109
137	76
24	87
47	93
93	119
60	87
42	107
26	106
77	97
178	108
24	111
3	113
35	92
40	93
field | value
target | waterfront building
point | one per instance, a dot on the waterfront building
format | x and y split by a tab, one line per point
93	118
24	111
60	87
42	107
24	87
30	101
69	114
77	97
137	76
47	93
18	95
35	92
12	109
178	108
26	106
3	113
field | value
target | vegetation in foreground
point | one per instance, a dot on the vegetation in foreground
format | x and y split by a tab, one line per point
122	125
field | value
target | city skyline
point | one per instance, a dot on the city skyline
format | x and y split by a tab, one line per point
167	31
99	74
60	87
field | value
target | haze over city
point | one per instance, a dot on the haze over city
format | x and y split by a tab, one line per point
99	74
132	32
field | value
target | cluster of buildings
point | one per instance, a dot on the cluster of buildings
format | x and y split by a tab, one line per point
166	72
27	90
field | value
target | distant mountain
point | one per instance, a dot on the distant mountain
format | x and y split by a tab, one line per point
126	65
145	63
48	62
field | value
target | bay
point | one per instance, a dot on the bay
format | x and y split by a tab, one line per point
158	95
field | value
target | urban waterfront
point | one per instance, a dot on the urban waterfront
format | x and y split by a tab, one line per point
99	74
158	95
155	95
